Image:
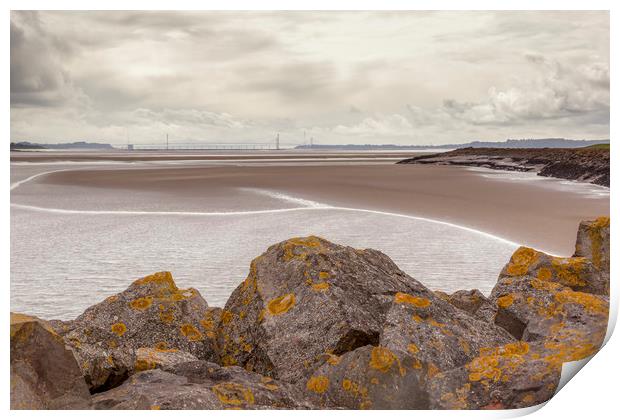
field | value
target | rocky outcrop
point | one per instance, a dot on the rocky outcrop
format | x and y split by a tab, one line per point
154	314
44	373
369	377
539	298
307	297
319	325
200	385
593	244
515	375
579	164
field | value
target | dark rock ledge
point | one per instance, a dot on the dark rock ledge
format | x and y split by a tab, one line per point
317	325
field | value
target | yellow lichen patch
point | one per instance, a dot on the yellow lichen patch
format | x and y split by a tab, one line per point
544	285
487	366
381	359
521	261
591	303
318	384
227	316
374	381
281	304
412	348
324	275
595	239
191	333
346	384
163	347
144	364
167	317
505	301
420	302
544	274
142	303
119	329
458	400
432	370
569	271
229	360
163	278
155	407
291	247
231	393
333	360
319	287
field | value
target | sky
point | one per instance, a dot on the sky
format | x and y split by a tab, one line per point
341	77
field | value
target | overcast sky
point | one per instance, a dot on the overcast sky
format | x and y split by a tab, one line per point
354	77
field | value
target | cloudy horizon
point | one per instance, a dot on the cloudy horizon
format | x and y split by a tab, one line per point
413	78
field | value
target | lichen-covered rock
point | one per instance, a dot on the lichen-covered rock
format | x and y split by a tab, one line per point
44	373
436	332
593	244
471	301
306	297
515	375
577	273
154	313
369	377
200	385
540	307
158	358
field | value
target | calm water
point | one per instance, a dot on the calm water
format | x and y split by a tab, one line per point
94	242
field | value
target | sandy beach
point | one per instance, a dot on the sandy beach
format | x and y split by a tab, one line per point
532	211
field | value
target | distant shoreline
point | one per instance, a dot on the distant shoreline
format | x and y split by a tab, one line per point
590	164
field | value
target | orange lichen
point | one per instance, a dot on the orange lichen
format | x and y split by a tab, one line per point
333	359
505	301
281	304
167	317
319	287
544	274
231	393
521	261
491	363
163	278
227	316
119	329
346	384
323	275
381	359
291	247
595	239
590	303
318	384
191	333
420	302
142	303
569	271
412	348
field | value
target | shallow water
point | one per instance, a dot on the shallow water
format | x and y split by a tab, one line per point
73	246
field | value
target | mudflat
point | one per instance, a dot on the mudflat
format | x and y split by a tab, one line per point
541	213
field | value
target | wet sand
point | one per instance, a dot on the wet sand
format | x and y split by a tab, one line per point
534	212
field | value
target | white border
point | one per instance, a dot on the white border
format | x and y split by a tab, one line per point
592	395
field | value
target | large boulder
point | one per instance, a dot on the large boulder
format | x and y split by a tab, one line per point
306	298
44	373
534	305
200	385
515	375
152	313
437	332
593	244
369	377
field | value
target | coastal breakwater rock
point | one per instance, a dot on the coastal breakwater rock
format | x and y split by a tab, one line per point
200	385
319	325
44	373
150	324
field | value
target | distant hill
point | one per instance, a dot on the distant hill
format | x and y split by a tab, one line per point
556	143
24	145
